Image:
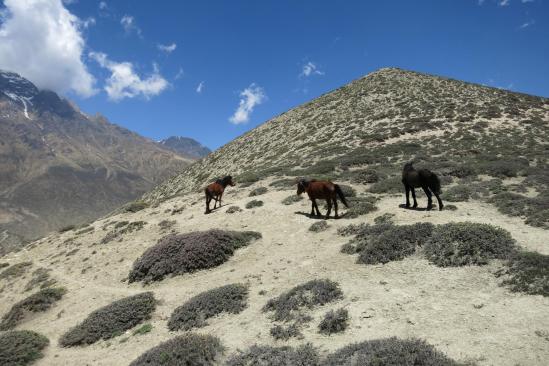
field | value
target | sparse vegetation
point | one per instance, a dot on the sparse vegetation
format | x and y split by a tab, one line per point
359	206
111	320
318	226
334	322
258	191
184	253
16	270
304	355
535	209
284	183
166	224
194	313
254	203
35	303
20	348
144	329
388	185
233	209
465	243
459	193
292	199
40	276
135	206
286	307
389	351
527	272
64	229
121	228
283	333
188	349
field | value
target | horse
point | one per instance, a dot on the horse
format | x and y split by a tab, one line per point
215	191
318	189
423	178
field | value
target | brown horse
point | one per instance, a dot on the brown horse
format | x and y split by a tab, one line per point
318	189
423	178
215	191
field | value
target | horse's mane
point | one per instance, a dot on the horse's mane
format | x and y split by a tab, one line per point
224	181
409	166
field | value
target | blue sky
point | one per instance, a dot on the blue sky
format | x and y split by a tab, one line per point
142	61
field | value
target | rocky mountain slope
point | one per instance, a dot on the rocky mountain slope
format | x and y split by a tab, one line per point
59	166
467	285
185	146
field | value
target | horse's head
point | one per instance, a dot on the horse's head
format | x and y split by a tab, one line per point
409	166
301	186
229	180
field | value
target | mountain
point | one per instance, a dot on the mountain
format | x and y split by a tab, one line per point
258	280
59	166
185	146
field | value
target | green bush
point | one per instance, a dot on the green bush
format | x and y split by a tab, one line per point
535	209
16	270
20	348
359	206
465	243
233	209
111	320
191	252
258	191
460	193
144	329
292	199
254	203
283	333
256	355
188	349
135	206
40	276
528	272
388	185
166	224
365	177
283	183
319	226
348	191
38	302
194	313
389	351
307	295
334	322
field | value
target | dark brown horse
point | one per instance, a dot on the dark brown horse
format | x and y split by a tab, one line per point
423	178
215	191
318	189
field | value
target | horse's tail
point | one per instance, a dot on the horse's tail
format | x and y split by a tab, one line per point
436	184
339	193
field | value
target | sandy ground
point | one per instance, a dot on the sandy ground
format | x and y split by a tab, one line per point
461	311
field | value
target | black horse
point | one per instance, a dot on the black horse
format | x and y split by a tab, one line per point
423	178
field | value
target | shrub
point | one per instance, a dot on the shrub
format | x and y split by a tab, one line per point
366	177
292	199
233	209
528	272
166	224
389	351
23	347
111	320
16	270
280	332
304	355
188	349
450	207
334	322
258	191
64	229
386	242
144	329
464	243
121	228
184	253
283	183
359	206
319	226
307	295
460	193
41	276
388	185
348	191
194	313
38	302
254	203
136	206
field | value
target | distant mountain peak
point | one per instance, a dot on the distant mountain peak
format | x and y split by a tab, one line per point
185	146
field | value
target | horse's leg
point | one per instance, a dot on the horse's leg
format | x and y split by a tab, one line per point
414	196
329	202
208	199
315	206
440	204
312	207
335	207
407	187
429	197
220	197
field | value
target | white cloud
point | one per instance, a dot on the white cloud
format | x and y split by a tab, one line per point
125	83
527	24
200	87
41	40
128	23
103	5
310	69
88	22
504	2
180	74
249	98
167	48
